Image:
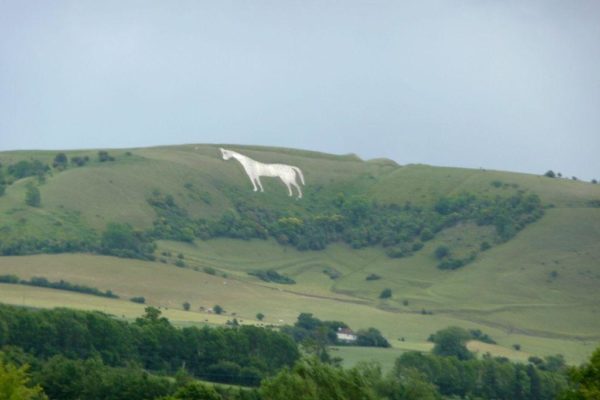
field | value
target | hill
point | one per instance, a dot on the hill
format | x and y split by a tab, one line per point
534	284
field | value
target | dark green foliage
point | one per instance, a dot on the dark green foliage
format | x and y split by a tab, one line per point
332	273
476	334
9	279
33	198
452	342
550	174
122	241
218	309
2	189
80	161
594	181
180	263
516	346
60	161
371	337
173	222
312	380
61	285
585	380
138	299
441	252
210	270
152	342
103	156
385	294
34	246
487	378
260	316
91	379
23	169
372	277
272	276
485	246
186	306
355	221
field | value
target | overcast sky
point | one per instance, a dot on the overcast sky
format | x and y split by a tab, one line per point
511	85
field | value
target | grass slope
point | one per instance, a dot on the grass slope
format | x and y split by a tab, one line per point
539	290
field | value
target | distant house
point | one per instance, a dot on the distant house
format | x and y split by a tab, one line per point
346	335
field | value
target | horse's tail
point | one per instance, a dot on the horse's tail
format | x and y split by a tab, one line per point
299	172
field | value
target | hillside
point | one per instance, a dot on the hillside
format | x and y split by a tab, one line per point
536	285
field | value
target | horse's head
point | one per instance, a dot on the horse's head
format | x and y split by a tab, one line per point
226	154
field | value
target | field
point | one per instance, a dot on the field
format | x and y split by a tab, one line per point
538	290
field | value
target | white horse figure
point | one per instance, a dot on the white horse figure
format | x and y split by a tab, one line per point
256	169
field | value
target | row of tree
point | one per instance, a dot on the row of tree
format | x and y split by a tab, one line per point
242	355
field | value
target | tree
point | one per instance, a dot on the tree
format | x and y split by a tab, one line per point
60	161
451	342
186	306
218	309
260	316
33	198
103	156
313	380
14	383
585	380
550	174
442	251
385	293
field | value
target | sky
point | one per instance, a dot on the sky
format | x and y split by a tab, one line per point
510	85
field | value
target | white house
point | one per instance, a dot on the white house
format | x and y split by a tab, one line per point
346	335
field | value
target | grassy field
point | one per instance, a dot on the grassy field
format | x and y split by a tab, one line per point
539	290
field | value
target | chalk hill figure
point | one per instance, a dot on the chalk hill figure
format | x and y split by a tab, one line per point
256	169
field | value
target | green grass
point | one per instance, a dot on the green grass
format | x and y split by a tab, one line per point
539	289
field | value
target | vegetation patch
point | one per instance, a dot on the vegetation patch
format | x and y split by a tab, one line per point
61	285
272	276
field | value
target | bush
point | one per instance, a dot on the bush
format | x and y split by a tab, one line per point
385	294
79	161
33	198
186	306
218	309
103	156
138	299
451	342
485	246
372	277
60	161
550	174
441	252
260	316
272	276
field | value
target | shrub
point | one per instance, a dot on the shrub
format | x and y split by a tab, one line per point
451	342
60	161
186	306
372	277
385	294
272	276
550	174
179	263
442	251
218	309
33	198
103	156
485	246
79	161
138	299
260	316
210	270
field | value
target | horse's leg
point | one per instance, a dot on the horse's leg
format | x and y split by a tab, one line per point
259	184
289	187
252	178
298	189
